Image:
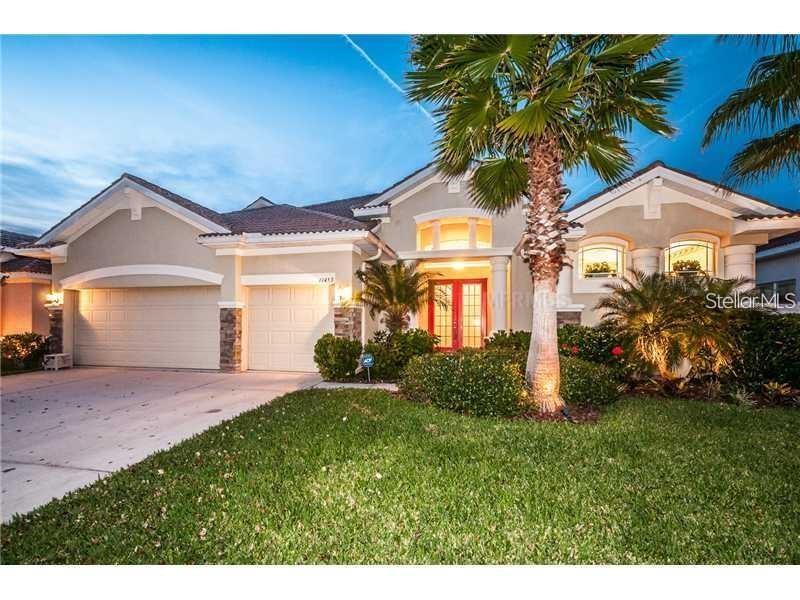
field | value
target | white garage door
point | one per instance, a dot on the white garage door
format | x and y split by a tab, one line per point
176	327
284	322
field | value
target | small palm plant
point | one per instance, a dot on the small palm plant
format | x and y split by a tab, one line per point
668	320
394	291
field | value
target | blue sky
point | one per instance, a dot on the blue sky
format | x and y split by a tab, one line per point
299	119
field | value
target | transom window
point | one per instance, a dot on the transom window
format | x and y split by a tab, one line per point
601	260
690	257
454	234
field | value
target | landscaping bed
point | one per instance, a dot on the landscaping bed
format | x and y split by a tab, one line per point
354	476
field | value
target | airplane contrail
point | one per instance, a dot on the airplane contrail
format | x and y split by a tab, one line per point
384	75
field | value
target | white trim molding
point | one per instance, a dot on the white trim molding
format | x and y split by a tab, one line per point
126	270
464	253
452	213
289	279
231	304
284	250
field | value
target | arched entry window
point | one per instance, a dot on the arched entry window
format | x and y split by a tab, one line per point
602	260
690	257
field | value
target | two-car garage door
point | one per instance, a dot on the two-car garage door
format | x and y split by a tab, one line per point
176	327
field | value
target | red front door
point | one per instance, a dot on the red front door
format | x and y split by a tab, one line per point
461	323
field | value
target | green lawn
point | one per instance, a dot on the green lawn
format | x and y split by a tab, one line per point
363	477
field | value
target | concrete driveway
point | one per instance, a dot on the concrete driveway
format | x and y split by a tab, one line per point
63	430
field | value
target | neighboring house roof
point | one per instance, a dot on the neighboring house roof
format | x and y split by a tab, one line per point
656	164
344	207
260	202
285	218
13	239
26	265
779	242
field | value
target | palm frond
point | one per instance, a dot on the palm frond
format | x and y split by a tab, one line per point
764	157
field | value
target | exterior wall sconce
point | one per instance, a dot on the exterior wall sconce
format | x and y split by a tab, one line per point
54	300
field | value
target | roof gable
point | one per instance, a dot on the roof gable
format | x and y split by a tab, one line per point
92	212
714	196
259	202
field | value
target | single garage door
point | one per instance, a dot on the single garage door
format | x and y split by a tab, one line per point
284	322
175	327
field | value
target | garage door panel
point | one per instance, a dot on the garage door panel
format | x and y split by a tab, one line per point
284	323
148	327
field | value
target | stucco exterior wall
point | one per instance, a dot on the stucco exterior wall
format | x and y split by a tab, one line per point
22	307
401	232
158	238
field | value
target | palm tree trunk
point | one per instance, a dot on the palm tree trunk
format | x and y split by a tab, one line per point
544	248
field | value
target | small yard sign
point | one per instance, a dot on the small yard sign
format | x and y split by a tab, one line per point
368	361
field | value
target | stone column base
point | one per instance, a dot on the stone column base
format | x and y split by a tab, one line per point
230	339
347	322
55	341
568	317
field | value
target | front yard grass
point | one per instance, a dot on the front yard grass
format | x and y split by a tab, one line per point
354	476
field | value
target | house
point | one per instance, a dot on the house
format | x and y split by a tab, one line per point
150	278
778	270
24	285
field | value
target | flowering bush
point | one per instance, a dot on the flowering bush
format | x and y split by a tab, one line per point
22	351
595	344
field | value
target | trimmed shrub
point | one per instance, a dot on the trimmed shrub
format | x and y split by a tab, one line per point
393	351
509	340
769	349
22	351
336	357
585	383
470	382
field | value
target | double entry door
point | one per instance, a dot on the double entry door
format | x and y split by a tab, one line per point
457	313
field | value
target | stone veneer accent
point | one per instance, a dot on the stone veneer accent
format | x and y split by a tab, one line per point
55	341
568	317
347	322
230	339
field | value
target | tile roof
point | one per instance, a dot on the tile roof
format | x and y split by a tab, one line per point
196	208
403	180
23	264
285	218
784	240
343	207
13	239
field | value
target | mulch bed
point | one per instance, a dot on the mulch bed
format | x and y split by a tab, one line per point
580	415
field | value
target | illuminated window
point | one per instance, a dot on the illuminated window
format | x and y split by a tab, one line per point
690	257
483	234
601	260
425	237
454	234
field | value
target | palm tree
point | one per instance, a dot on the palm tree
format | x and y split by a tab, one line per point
769	102
667	320
517	111
393	290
